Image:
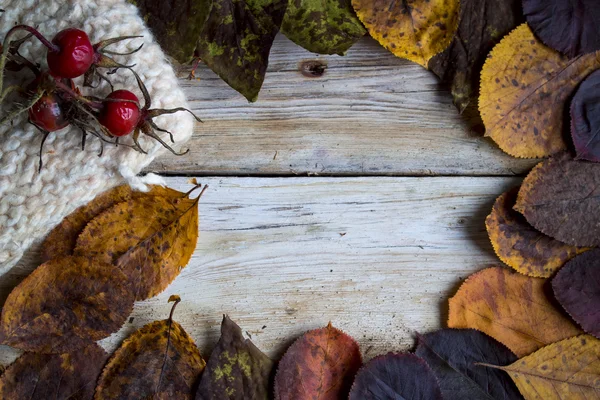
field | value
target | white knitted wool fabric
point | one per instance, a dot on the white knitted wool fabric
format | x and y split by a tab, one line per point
32	203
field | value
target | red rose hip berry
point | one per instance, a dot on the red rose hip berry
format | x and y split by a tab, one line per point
73	54
120	117
47	114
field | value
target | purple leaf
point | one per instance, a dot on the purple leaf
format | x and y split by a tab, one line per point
585	119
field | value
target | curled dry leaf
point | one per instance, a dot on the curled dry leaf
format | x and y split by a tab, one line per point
511	308
151	238
524	88
585	119
159	361
577	289
395	376
321	365
565	370
324	27
66	376
452	354
520	245
236	369
561	197
568	26
414	29
482	24
236	40
64	304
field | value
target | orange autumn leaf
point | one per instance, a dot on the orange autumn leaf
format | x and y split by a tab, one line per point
524	88
413	29
511	308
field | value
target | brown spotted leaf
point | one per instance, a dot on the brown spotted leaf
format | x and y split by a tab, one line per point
524	91
512	308
64	304
151	238
67	376
236	40
412	29
158	361
321	364
561	197
482	24
567	370
236	369
520	245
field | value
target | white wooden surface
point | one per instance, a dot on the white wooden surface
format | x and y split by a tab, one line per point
376	256
369	114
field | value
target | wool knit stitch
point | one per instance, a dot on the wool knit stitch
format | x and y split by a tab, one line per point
32	202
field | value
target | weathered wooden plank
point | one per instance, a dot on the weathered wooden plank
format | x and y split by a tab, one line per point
376	256
369	113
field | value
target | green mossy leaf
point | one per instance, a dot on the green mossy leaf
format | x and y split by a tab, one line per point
322	26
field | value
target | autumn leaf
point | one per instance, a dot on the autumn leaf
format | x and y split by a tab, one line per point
561	197
569	369
521	246
453	353
151	238
412	29
524	88
511	308
158	361
66	376
64	304
61	240
585	119
568	26
324	27
236	40
395	376
321	365
176	24
236	368
482	24
577	289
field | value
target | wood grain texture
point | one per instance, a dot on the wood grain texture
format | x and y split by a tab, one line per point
377	256
370	113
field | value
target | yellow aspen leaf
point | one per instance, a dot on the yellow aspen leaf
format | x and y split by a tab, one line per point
569	369
521	246
524	88
511	308
413	29
159	361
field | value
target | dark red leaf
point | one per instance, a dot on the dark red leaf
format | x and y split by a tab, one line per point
452	354
568	26
585	119
577	288
396	376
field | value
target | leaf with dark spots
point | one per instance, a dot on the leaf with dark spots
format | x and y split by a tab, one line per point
158	361
585	119
321	364
395	376
520	245
65	304
524	90
577	289
66	376
568	26
482	25
416	29
512	308
236	369
176	24
452	354
236	40
561	197
324	27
